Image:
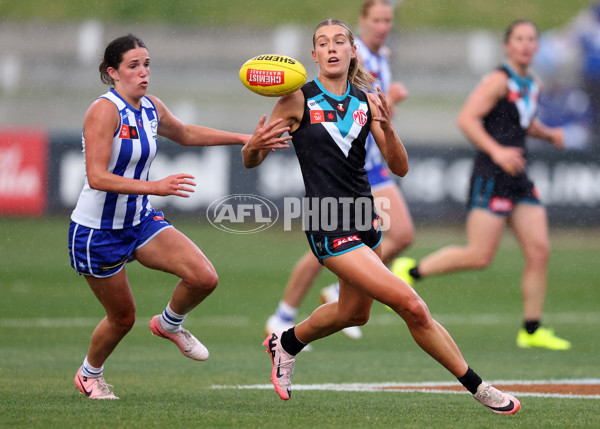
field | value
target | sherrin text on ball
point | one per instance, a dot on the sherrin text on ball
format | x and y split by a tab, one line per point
272	75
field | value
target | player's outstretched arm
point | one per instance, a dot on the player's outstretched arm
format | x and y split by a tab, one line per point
285	118
171	127
387	140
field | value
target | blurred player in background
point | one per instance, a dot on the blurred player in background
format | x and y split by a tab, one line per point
113	222
349	246
375	21
496	117
587	30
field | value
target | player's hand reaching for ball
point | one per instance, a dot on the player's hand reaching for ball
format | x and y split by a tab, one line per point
269	136
266	138
383	111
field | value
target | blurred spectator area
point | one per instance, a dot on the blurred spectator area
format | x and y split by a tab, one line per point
49	73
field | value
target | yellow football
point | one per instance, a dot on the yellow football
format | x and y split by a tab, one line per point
272	75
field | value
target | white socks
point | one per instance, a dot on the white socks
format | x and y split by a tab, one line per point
286	313
89	371
171	321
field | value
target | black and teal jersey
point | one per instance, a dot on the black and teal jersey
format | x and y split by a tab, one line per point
330	146
510	118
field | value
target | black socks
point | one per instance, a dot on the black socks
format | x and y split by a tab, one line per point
290	343
414	272
531	326
471	381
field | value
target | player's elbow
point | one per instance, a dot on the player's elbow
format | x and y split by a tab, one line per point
464	122
400	170
251	159
95	182
248	163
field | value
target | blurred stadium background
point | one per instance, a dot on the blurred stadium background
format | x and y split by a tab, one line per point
49	55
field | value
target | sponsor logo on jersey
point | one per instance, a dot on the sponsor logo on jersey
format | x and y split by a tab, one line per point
339	241
318	116
128	132
265	77
360	117
501	205
513	96
376	223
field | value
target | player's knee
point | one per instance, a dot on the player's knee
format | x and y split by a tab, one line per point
348	318
481	260
538	253
358	319
199	276
123	321
416	313
205	280
211	282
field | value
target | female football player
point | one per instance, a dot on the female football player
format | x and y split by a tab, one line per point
113	221
375	21
496	117
329	120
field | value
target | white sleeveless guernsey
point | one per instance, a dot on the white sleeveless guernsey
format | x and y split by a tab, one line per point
133	149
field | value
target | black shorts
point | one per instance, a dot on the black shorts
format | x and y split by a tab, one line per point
501	192
323	246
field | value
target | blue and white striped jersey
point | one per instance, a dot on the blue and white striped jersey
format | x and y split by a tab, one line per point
378	64
133	149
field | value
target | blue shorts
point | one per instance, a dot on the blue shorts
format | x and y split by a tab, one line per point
379	176
104	252
324	246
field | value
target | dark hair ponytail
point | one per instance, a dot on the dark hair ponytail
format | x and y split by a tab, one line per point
113	55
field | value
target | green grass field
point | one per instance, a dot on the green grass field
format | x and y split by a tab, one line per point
412	14
48	314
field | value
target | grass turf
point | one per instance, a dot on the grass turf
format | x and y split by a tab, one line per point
48	315
411	14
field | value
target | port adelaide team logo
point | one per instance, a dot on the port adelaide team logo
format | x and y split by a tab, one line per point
242	213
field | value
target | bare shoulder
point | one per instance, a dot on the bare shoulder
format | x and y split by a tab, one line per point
289	107
102	110
296	98
495	83
160	106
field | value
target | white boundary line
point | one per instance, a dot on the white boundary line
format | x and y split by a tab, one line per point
141	321
244	321
425	387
